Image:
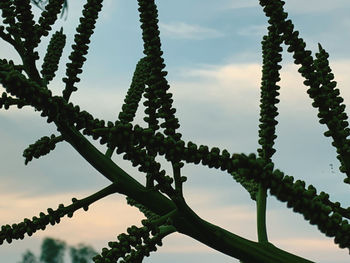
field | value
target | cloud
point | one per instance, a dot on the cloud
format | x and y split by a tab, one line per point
318	249
186	31
254	30
346	22
109	7
241	4
311	6
103	105
228	86
306	244
237	86
314	6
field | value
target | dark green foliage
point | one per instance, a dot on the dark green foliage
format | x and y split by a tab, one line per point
82	254
6	101
80	48
134	94
135	245
161	199
148	213
25	23
8	13
29	257
52	251
53	55
41	147
48	17
250	185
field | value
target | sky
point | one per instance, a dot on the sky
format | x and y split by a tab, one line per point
212	52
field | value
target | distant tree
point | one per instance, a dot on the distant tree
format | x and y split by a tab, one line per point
28	257
82	254
52	251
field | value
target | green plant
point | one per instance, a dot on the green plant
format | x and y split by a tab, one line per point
161	199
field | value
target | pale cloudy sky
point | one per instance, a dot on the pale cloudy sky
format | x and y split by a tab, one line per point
212	51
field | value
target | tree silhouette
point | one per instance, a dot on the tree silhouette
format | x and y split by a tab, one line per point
52	251
82	253
161	198
28	257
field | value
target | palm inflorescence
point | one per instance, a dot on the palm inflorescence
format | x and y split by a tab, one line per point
161	199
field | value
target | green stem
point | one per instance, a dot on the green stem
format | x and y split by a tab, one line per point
85	202
261	214
109	152
162	220
189	223
124	183
166	230
186	221
177	178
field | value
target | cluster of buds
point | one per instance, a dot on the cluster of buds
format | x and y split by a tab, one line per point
53	55
318	77
139	238
6	101
17	231
42	147
80	48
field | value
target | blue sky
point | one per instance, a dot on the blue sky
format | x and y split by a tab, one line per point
212	52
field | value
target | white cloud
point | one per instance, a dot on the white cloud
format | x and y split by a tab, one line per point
237	86
291	7
254	30
238	4
346	22
103	105
295	6
306	244
108	9
314	6
183	30
229	86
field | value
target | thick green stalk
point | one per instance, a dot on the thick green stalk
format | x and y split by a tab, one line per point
261	214
125	184
187	222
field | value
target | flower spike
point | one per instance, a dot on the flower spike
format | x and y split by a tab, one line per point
80	48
